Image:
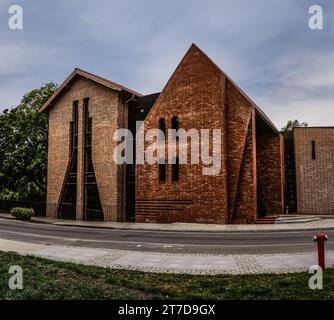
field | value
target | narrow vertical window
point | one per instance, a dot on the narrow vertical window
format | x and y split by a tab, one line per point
175	127
175	123
162	126
314	155
92	202
74	126
162	163
162	170
176	170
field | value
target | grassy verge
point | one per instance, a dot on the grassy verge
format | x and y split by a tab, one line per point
44	279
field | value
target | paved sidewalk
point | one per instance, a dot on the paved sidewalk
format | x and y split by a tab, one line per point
326	223
171	263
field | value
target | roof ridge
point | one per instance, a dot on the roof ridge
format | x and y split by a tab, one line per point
103	81
257	108
109	81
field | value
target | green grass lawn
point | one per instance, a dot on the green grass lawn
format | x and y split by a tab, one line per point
44	279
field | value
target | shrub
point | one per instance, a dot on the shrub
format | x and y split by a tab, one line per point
22	213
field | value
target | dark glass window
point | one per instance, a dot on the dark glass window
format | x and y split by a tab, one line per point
162	171
74	126
162	125
88	116
175	123
176	170
92	203
314	155
75	116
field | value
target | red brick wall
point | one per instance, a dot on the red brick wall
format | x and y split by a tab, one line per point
202	97
195	93
314	178
270	173
241	159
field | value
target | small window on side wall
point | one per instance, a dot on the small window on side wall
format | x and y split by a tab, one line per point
314	154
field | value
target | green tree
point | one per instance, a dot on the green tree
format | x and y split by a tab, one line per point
290	175
293	124
23	147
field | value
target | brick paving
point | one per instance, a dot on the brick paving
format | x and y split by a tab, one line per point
171	263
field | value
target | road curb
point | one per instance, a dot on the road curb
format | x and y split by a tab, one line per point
164	229
204	231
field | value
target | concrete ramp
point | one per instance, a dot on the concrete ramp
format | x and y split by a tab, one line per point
296	219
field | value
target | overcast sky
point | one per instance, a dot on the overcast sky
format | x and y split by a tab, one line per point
265	46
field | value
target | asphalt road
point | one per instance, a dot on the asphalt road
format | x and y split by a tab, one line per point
157	241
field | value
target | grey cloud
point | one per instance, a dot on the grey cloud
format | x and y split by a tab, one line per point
265	46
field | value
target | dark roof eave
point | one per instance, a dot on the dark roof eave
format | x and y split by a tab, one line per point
265	118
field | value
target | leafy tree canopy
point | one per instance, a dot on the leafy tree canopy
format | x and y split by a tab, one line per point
23	145
293	124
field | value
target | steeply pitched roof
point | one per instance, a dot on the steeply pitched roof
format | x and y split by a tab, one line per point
257	108
112	85
79	72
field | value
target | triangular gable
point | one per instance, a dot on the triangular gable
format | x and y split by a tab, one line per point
79	72
194	49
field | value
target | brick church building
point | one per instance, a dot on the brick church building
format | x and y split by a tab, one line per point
85	183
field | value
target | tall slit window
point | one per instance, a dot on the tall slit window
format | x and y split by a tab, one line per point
175	127
175	123
314	155
162	163
74	126
162	127
162	170
176	170
92	203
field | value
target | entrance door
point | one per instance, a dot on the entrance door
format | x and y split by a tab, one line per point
130	192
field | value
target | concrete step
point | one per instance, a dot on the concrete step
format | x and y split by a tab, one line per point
296	219
266	220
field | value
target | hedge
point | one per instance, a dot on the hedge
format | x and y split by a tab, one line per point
22	213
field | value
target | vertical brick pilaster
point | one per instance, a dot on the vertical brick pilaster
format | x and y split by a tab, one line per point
254	167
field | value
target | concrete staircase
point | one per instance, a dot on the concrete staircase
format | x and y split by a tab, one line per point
296	219
289	218
266	220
